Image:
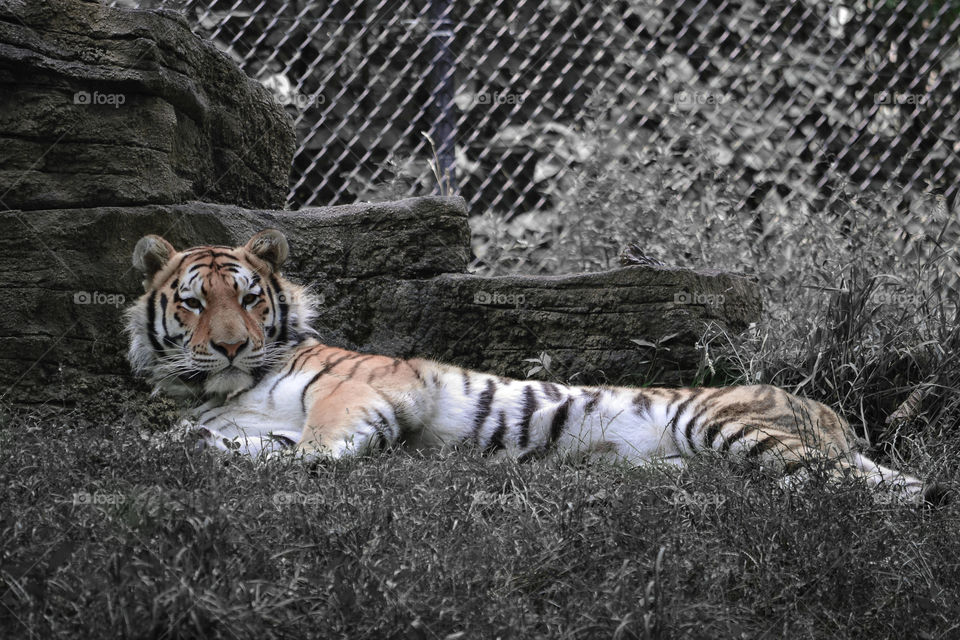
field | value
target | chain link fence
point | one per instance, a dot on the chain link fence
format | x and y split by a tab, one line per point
796	103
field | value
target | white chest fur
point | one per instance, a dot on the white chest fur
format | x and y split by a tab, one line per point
268	417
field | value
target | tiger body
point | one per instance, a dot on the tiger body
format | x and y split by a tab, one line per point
220	327
339	401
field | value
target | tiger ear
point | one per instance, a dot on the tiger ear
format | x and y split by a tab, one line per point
270	246
150	255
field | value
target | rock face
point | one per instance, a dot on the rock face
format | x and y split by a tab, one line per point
104	106
627	326
391	277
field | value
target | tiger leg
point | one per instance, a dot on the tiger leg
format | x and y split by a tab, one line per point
352	419
788	452
783	450
912	488
255	445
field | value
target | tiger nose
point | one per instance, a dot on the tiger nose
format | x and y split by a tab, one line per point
229	349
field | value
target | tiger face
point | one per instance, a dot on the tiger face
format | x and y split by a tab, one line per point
214	319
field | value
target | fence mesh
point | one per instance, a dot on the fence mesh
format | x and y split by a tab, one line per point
797	103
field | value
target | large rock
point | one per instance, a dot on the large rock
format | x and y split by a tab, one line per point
391	276
107	106
628	326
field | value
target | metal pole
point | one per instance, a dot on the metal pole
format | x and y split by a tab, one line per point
442	90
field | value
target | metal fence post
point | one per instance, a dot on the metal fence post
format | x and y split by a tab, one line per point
442	89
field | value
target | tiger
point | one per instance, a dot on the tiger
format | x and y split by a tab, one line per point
223	331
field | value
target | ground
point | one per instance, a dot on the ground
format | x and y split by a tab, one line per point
104	533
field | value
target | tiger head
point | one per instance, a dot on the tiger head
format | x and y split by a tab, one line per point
214	319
